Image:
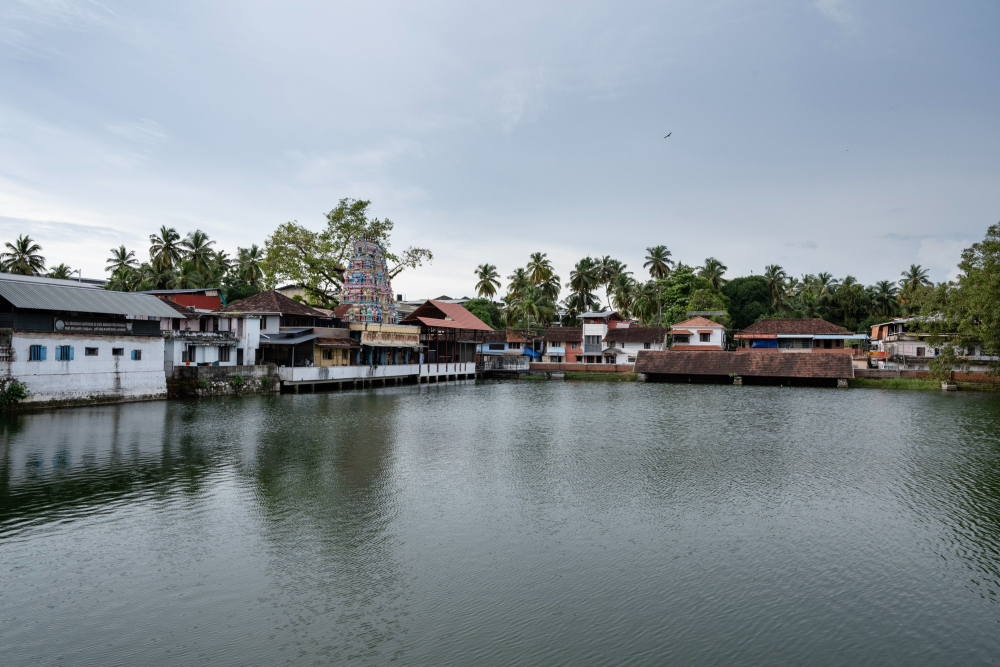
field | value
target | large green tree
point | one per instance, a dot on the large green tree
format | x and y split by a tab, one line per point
749	300
316	260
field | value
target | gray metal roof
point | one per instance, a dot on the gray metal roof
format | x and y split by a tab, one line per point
51	294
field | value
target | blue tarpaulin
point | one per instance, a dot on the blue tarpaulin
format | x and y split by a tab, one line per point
766	342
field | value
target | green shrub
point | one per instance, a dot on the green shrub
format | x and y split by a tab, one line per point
11	391
265	382
202	383
237	382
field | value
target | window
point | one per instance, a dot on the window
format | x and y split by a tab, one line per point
90	351
920	351
496	346
118	351
572	346
647	346
705	337
184	356
328	355
828	345
36	353
592	340
175	323
263	323
680	339
631	360
136	355
224	353
515	346
64	353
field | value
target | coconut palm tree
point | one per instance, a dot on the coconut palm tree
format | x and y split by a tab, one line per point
713	270
551	287
22	257
885	299
775	277
125	279
518	284
658	262
489	280
198	251
647	305
165	250
621	294
582	280
186	276
62	272
121	259
539	268
914	278
248	264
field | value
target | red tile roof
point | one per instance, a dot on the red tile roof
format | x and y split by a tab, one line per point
446	316
564	335
792	326
683	346
697	322
751	363
181	310
271	302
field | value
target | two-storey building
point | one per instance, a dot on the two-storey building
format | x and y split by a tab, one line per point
595	328
698	333
563	345
624	342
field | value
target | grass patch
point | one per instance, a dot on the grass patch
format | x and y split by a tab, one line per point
923	384
603	377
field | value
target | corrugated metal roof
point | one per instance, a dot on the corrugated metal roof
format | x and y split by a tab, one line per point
72	296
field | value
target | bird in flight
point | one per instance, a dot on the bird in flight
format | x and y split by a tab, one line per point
668	135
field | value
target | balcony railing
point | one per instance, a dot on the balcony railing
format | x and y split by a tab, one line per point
592	348
200	336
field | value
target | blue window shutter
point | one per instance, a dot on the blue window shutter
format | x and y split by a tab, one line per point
71	354
42	357
58	353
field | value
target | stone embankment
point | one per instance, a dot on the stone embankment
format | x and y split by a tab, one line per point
199	381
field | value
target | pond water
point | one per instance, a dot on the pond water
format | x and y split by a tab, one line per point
506	523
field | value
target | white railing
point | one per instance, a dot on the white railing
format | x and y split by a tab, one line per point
343	373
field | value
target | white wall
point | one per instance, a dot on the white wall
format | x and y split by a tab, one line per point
84	378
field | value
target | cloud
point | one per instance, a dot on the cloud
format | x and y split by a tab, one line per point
808	245
515	96
835	10
942	254
143	131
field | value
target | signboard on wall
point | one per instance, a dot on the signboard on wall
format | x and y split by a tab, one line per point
107	327
390	338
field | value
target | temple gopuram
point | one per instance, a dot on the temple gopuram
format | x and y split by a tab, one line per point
367	293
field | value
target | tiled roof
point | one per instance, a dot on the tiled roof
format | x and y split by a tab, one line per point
182	310
564	335
636	335
792	326
271	302
697	322
686	346
751	363
445	316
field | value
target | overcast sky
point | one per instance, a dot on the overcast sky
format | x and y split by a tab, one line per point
838	135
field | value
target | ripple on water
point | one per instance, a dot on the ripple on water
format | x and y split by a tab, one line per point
543	523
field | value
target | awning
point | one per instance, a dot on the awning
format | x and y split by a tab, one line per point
378	343
756	336
278	339
841	336
337	343
708	331
681	332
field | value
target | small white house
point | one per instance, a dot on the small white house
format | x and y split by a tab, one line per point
698	333
624	342
73	342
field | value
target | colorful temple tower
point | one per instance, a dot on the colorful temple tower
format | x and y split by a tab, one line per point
367	289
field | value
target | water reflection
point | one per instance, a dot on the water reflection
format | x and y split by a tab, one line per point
500	523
